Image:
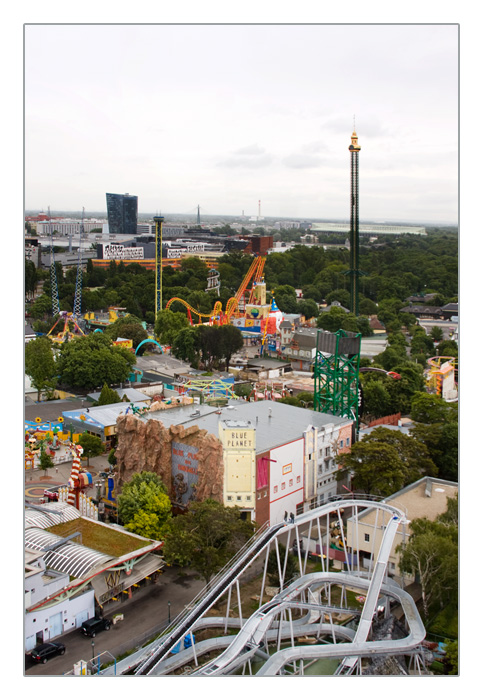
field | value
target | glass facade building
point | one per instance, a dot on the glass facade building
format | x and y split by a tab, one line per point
122	213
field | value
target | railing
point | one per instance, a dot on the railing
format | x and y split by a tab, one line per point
208	596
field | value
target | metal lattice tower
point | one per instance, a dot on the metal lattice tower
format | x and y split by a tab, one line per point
53	274
78	282
354	271
336	374
158	302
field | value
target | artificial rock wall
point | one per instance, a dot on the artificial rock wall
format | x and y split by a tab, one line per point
146	446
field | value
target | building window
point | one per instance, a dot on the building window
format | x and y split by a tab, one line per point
290	483
248	498
341	444
275	489
366	537
238	498
229	498
327	451
347	442
298	480
283	486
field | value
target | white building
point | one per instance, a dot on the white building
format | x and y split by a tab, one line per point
43	624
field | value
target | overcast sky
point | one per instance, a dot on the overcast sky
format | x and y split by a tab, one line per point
225	116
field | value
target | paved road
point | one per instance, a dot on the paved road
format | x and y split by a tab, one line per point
146	610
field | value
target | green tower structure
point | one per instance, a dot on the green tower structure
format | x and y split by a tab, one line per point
336	374
354	271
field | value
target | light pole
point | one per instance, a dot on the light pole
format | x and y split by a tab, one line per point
169	612
93	652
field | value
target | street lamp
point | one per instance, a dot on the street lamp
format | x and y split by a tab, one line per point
169	612
93	652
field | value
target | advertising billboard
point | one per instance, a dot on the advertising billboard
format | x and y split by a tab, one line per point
184	471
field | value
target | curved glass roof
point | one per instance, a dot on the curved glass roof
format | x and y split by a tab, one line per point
69	557
51	514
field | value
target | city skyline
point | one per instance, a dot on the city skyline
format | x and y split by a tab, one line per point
226	116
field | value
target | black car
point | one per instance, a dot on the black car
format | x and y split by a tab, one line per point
42	652
95	624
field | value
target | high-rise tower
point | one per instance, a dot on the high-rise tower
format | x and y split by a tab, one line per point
122	213
354	271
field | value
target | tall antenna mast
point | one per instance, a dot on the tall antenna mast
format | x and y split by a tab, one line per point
78	282
198	219
53	273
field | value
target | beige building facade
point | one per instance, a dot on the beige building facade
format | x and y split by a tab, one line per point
426	498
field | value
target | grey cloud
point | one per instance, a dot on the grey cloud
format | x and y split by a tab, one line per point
255	162
253	150
302	160
247	157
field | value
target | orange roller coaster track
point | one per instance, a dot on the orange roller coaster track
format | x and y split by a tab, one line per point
217	316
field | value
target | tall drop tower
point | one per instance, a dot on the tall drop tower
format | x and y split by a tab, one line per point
158	302
354	271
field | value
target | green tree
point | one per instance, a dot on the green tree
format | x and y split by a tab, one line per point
40	365
45	460
186	346
450	660
128	327
374	468
144	506
429	408
431	554
30	277
413	454
231	341
41	307
107	396
436	334
206	537
308	308
377	401
92	361
285	560
441	439
91	444
168	324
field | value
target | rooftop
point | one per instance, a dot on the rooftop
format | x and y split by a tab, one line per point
276	423
425	498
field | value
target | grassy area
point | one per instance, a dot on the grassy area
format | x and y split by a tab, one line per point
99	537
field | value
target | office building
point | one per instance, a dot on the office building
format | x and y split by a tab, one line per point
122	213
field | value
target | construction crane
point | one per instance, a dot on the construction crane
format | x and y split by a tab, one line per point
53	274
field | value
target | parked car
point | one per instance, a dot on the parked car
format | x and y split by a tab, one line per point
95	624
42	652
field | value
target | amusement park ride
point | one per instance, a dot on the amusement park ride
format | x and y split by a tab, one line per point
304	624
237	305
71	320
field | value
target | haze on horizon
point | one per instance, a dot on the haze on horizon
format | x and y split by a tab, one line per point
226	115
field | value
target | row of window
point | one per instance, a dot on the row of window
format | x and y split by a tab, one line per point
283	485
239	498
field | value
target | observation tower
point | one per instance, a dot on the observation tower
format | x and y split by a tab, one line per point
354	271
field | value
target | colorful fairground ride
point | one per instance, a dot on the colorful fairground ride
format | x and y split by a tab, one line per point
442	377
246	303
94	320
70	329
